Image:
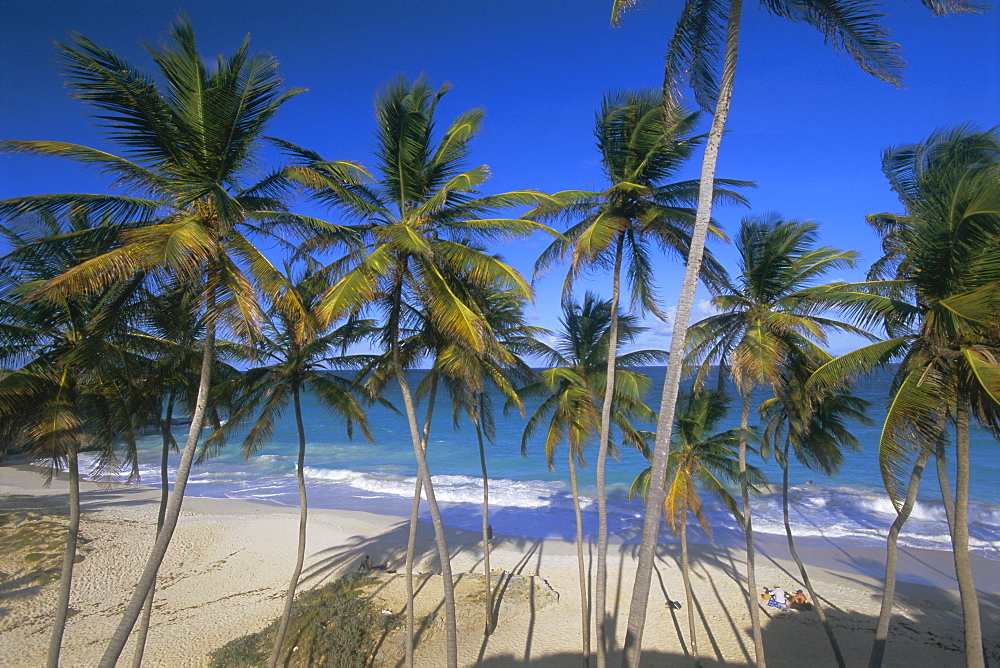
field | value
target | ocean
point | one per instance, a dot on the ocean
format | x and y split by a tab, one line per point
528	500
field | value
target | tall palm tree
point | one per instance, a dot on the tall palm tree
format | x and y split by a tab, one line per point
301	347
411	215
809	421
939	307
643	146
706	39
73	362
768	319
571	393
699	458
189	197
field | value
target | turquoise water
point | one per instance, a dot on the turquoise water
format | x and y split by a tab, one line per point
529	500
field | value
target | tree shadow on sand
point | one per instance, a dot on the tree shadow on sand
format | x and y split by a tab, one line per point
926	628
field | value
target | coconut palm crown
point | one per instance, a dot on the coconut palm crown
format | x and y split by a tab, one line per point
642	206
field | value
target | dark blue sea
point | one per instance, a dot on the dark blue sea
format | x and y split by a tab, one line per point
527	499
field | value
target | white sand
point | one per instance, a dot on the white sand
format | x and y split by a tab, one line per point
227	569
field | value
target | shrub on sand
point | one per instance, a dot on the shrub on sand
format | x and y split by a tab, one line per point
334	625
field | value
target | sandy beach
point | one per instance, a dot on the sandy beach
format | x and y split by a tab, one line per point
227	569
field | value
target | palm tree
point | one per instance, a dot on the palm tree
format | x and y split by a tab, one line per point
767	320
940	310
707	37
810	422
643	146
572	392
74	360
301	347
699	458
191	193
467	376
172	331
411	215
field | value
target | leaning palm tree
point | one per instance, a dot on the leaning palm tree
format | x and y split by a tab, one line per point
571	393
173	322
172	330
811	422
413	217
768	319
699	458
706	39
643	147
189	196
301	348
939	308
72	362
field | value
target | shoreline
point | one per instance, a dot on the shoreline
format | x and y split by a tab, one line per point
230	560
542	507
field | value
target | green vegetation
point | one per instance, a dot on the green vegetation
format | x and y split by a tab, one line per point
298	347
334	625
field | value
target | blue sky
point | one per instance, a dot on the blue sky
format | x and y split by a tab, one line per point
807	125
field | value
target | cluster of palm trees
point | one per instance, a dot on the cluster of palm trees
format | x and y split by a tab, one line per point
702	54
123	309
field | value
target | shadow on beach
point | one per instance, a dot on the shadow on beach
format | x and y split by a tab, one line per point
537	599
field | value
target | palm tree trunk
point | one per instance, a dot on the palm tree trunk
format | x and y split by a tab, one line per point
688	598
439	537
411	548
758	641
838	655
600	587
490	620
671	384
411	540
147	610
69	558
941	459
148	577
942	474
891	555
303	512
960	547
584	589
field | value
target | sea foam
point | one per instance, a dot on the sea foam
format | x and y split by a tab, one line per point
447	488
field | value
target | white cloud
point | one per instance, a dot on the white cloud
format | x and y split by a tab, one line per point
702	309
